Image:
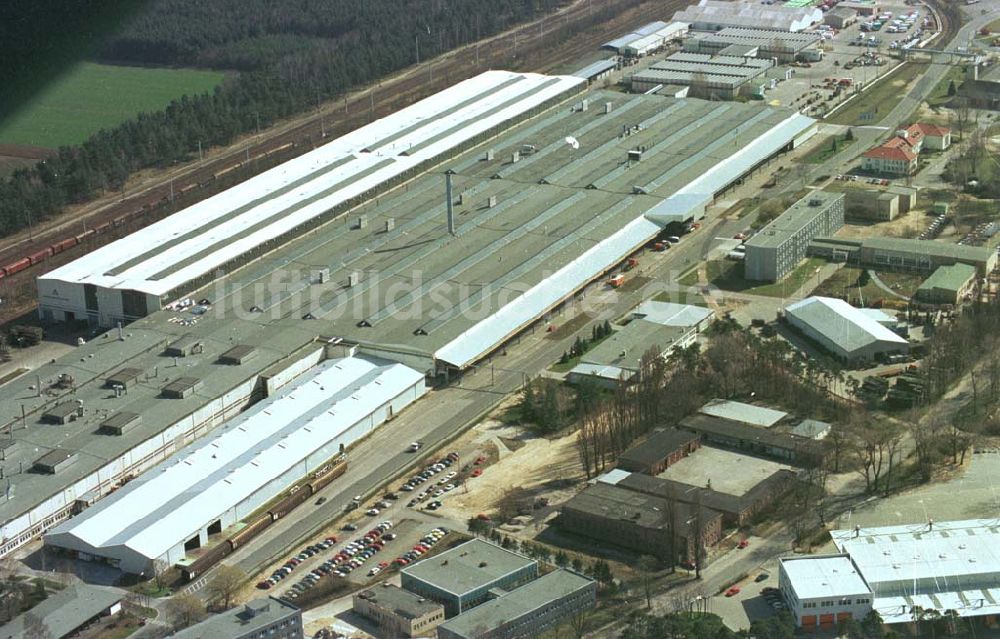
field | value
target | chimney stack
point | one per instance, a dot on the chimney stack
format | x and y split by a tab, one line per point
451	206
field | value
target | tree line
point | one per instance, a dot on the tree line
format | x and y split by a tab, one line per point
290	55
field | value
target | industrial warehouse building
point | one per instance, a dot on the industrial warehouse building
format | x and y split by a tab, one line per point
663	325
527	611
779	247
898	571
645	523
714	15
647	38
782	46
755	440
899	254
214	483
848	333
303	297
712	77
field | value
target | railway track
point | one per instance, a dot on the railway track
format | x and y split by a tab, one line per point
545	45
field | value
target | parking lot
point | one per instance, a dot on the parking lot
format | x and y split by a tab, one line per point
853	57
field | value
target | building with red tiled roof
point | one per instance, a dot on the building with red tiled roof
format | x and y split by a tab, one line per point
937	138
894	159
898	154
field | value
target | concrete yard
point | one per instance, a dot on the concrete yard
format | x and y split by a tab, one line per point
728	472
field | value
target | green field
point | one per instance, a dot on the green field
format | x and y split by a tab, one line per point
864	109
94	96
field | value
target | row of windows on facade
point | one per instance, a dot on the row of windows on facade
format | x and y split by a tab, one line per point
831	602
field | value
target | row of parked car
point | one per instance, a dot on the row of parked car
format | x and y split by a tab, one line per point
421	547
934	228
348	559
429	471
290	565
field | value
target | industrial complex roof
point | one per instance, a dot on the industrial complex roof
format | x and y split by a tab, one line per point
832	576
168	254
165	505
517	603
468	566
841	323
528	234
615	501
142	346
950	565
708	59
745	14
741	412
596	68
764	38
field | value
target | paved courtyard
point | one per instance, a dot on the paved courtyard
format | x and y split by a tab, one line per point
729	472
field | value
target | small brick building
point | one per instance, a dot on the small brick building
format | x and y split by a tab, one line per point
659	451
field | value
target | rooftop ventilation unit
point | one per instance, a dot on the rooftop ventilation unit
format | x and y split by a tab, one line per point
239	354
120	423
182	388
54	461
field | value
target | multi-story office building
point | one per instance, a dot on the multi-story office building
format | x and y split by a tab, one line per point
782	244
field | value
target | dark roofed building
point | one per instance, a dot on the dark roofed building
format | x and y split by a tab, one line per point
737	510
659	451
67	612
755	440
640	522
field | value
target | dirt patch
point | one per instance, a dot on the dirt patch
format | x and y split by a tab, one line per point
535	466
909	225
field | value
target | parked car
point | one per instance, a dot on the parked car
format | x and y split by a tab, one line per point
732	592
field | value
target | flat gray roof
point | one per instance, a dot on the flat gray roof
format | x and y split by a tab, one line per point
794	219
520	601
239	621
468	566
402	602
625	347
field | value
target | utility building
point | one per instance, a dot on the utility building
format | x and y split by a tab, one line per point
714	15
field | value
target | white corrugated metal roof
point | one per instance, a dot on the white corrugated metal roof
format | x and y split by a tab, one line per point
671	314
652	27
947	552
613	373
613	476
841	323
218	229
740	412
168	503
961	558
508	320
596	68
